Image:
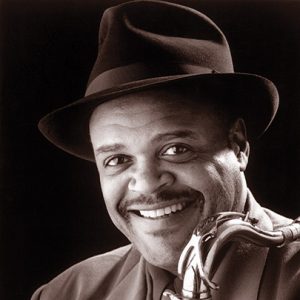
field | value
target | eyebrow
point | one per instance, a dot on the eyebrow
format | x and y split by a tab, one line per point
158	138
176	134
109	148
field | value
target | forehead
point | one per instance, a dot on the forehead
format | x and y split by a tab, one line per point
140	108
143	118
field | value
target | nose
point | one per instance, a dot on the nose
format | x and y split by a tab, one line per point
148	178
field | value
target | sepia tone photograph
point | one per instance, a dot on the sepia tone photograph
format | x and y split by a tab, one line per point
150	150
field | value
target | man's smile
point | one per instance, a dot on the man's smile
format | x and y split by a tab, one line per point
162	212
164	222
163	205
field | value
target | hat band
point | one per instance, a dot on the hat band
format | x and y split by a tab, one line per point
140	71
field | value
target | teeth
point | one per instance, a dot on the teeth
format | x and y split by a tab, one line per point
174	207
167	210
162	211
147	213
152	213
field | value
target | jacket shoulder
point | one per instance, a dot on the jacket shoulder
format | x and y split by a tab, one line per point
277	219
281	277
82	279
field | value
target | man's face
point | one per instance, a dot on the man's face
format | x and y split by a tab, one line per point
165	165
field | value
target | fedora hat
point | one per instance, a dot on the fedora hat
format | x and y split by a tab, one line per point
145	45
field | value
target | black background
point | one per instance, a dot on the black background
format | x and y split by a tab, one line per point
52	213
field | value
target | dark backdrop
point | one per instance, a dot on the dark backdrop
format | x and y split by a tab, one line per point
52	213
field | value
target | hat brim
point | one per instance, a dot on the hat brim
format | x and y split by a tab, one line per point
254	98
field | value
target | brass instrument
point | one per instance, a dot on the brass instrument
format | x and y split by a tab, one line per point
197	258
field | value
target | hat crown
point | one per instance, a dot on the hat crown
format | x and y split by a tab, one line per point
147	39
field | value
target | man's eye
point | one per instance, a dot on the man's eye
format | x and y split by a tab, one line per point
175	150
115	161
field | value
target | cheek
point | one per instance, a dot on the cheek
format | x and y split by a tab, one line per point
201	175
113	192
216	178
112	187
226	170
223	188
109	197
107	188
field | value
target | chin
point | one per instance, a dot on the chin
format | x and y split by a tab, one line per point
164	253
165	259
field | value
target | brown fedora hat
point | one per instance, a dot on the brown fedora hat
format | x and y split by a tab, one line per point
155	44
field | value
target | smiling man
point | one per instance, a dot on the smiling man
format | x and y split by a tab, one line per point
160	176
167	122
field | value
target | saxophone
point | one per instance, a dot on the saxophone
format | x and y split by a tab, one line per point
196	261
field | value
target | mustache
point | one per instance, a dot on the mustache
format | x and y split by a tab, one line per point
162	196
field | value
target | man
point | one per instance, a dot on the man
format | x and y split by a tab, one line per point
168	123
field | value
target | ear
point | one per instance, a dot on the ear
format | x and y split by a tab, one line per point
239	143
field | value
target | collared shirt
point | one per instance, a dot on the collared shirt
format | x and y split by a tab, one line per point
245	272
